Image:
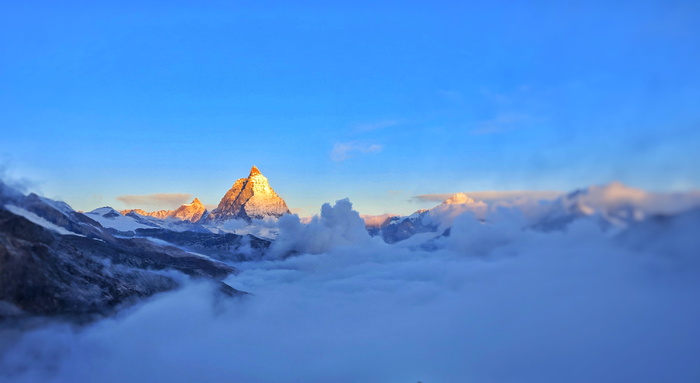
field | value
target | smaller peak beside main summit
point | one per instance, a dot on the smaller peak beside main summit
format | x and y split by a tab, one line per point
192	211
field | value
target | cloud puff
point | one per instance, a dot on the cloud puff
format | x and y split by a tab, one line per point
338	225
21	184
161	200
344	150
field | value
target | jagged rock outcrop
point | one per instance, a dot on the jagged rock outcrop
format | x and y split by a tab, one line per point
250	198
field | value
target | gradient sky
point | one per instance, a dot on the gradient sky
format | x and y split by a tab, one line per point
376	101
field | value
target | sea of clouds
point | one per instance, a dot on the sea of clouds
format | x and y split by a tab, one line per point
491	302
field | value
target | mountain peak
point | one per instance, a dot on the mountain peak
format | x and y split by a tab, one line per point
191	212
250	198
458	199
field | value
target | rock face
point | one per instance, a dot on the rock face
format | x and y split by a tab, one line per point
396	229
192	211
250	198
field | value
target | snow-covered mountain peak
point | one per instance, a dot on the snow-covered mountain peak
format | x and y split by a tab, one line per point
192	211
458	199
105	211
250	198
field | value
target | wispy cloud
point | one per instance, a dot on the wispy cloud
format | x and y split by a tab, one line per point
491	195
344	150
370	126
21	184
503	123
161	200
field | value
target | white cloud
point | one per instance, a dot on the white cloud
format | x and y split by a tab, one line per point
337	225
344	150
493	303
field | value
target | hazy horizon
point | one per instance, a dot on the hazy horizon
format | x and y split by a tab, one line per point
372	102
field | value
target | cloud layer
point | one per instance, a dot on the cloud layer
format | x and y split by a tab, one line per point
493	302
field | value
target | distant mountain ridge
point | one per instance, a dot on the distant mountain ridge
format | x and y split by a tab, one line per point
192	211
160	214
249	198
613	205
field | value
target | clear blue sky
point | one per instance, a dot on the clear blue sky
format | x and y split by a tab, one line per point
376	101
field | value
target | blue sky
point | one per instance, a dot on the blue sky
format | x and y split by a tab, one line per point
376	101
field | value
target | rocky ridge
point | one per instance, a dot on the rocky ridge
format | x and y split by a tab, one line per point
55	261
192	211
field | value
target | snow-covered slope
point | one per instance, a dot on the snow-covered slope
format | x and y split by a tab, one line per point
53	215
39	220
108	217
